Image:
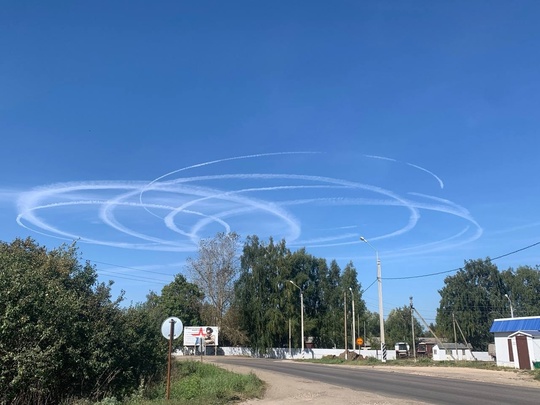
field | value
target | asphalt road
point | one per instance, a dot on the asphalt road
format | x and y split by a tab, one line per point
398	385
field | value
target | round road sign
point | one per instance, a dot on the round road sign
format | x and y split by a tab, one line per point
177	328
359	341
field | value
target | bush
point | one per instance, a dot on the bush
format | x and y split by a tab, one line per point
61	335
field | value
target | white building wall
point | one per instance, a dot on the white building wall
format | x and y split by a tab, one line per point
534	350
501	350
453	354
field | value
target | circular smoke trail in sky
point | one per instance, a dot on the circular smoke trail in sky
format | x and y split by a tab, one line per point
288	195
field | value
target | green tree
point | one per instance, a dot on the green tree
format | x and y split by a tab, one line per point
260	298
267	302
181	299
475	294
61	335
304	271
331	319
398	326
372	328
353	290
523	289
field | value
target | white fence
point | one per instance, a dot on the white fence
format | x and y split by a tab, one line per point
293	354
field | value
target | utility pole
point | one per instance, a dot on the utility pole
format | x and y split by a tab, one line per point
412	329
353	321
381	315
455	336
345	322
290	338
365	337
301	312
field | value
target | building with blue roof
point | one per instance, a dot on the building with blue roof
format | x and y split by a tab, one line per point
517	342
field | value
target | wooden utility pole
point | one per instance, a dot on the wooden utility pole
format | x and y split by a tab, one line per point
412	329
455	336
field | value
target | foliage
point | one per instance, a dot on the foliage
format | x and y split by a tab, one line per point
260	295
523	289
181	299
214	271
61	335
476	296
353	290
268	301
372	325
398	328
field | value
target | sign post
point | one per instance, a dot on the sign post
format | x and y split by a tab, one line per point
171	328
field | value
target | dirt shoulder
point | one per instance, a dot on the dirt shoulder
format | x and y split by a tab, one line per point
283	389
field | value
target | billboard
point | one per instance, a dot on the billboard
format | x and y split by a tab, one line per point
194	334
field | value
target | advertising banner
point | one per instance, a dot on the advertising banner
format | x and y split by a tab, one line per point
194	334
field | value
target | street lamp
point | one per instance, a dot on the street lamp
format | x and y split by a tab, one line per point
301	312
381	317
353	324
511	308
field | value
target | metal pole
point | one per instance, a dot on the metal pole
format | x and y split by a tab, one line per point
301	311
381	315
511	308
353	322
345	322
302	317
171	335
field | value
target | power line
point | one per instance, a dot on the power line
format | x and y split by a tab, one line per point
130	268
141	279
459	268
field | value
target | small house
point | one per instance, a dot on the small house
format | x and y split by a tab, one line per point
424	347
517	342
451	351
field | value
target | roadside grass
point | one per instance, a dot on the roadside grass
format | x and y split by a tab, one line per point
197	383
423	362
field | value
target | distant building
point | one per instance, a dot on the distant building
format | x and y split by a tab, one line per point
517	342
424	348
452	351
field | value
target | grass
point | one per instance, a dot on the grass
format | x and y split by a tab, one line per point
425	362
197	383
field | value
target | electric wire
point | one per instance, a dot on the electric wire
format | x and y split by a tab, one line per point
459	268
383	278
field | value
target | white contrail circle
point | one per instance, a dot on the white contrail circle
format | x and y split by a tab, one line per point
192	207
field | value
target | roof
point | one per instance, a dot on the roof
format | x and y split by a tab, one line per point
452	346
427	340
514	324
531	333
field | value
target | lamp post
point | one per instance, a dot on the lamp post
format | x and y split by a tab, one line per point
511	307
381	316
353	322
301	312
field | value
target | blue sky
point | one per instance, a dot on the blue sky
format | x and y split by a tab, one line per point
140	127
